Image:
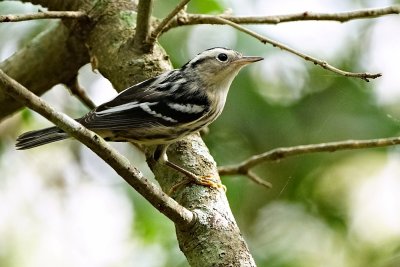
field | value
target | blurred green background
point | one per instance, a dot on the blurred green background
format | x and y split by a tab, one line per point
62	206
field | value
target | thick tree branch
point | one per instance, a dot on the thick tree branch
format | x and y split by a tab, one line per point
285	152
165	22
215	231
143	25
362	75
44	15
120	164
194	19
53	57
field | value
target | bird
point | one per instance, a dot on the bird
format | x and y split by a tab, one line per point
163	109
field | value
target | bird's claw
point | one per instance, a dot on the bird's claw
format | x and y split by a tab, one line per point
205	180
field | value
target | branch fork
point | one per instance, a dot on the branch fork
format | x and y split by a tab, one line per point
244	167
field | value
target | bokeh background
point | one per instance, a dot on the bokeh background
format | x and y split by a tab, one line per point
62	206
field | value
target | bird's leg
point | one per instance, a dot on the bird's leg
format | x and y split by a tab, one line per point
160	155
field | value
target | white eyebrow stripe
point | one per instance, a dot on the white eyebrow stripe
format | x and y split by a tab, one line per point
146	107
187	108
122	107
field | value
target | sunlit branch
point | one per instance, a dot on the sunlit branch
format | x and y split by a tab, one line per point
244	167
362	75
164	23
194	19
120	164
44	15
142	24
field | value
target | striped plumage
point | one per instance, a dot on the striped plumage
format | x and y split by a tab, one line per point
163	109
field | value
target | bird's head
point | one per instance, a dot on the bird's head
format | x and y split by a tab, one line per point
217	67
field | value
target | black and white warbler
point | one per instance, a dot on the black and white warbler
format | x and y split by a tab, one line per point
163	109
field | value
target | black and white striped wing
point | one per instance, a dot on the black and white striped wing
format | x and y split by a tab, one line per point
152	103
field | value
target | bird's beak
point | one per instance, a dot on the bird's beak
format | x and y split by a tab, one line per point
247	60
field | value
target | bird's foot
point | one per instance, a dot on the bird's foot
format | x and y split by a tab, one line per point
205	180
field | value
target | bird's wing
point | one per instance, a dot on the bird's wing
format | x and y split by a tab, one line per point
151	103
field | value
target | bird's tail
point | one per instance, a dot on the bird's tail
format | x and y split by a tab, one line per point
40	137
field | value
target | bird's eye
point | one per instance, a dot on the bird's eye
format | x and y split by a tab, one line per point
222	57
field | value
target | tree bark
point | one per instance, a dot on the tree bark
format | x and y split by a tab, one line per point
53	57
214	239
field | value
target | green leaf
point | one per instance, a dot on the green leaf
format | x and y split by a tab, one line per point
206	6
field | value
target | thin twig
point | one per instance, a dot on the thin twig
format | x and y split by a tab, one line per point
164	23
143	25
80	93
362	75
194	19
285	152
120	164
44	15
255	178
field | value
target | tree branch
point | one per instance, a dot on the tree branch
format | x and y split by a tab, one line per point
143	25
194	19
120	164
285	152
164	23
44	15
362	75
80	93
61	56
255	178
